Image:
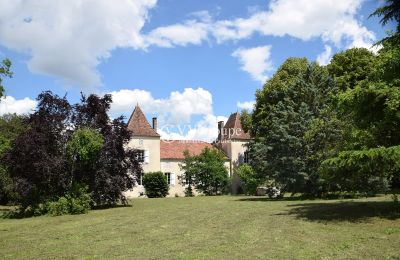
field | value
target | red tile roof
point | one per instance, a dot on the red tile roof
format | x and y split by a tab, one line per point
233	129
138	124
173	149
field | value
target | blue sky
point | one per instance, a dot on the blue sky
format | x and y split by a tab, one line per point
191	63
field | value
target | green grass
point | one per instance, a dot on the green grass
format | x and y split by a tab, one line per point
212	227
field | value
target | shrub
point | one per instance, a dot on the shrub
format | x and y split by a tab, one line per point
249	178
77	201
155	184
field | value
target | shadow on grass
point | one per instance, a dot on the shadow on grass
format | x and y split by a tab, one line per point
268	199
352	211
111	206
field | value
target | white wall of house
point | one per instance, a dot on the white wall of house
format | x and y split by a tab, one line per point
151	147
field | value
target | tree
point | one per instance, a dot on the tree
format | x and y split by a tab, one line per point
5	71
295	97
211	175
390	12
65	147
155	184
249	178
371	107
83	150
245	120
37	160
188	177
11	125
116	166
350	67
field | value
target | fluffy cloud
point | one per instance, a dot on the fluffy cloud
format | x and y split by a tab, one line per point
248	105
174	113
205	130
11	105
334	21
68	39
178	108
325	57
255	61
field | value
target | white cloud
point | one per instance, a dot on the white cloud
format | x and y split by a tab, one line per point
248	105
178	108
255	61
325	57
174	113
68	39
10	105
334	21
205	130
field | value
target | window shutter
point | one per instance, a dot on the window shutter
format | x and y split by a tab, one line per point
146	156
172	178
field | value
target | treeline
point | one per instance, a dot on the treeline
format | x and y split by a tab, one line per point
335	128
65	158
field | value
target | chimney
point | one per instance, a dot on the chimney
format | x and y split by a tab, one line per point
220	130
155	123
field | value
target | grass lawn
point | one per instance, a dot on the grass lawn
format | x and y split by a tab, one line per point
212	227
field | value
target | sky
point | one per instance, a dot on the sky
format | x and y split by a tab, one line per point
189	63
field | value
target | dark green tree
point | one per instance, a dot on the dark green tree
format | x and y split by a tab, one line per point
11	125
296	96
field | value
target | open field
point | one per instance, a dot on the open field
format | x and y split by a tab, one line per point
212	227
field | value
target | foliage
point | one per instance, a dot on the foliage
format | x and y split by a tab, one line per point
351	66
77	201
211	175
189	173
245	120
37	160
116	166
5	71
286	109
249	178
155	184
365	171
66	145
11	126
369	154
390	12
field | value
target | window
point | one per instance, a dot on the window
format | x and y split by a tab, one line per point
140	156
170	178
168	175
246	158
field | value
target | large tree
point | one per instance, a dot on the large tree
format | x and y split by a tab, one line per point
299	94
371	109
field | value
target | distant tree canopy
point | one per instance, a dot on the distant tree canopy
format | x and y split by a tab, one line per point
64	146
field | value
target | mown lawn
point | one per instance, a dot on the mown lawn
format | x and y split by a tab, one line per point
212	227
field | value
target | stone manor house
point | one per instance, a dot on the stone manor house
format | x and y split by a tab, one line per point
157	154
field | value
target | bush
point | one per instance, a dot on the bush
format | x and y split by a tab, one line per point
155	184
249	178
77	201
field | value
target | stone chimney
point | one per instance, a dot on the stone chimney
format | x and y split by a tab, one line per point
220	130
155	123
